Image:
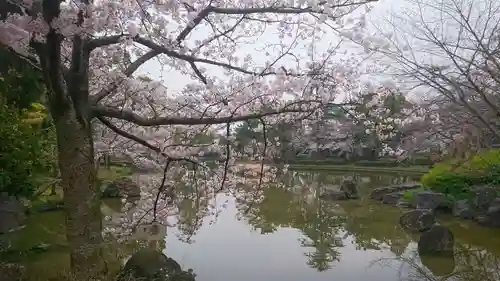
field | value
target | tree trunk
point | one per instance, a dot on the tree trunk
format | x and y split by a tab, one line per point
81	195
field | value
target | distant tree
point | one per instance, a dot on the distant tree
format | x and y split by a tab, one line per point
449	50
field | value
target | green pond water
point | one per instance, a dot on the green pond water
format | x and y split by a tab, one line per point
288	235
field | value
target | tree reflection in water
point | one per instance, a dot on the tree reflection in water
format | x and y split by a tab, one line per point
468	264
327	226
324	224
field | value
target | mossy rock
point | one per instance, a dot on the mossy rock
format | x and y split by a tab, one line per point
152	265
122	187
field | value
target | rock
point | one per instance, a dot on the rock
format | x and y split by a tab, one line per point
403	204
334	195
122	187
463	210
378	193
495	202
437	241
349	187
491	218
12	272
392	198
12	213
433	201
50	206
417	220
152	265
481	197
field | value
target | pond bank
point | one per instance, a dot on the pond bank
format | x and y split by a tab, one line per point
414	170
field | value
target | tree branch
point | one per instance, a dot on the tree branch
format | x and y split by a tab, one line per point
104	41
152	45
185	32
283	9
144	143
105	111
128	72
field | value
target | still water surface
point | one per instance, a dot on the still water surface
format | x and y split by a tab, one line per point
292	235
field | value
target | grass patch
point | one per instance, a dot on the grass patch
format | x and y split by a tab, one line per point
417	170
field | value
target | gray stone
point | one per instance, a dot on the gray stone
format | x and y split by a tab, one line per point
417	220
378	193
12	213
495	202
403	204
350	188
481	197
122	187
152	265
462	209
433	201
491	218
437	241
392	198
334	195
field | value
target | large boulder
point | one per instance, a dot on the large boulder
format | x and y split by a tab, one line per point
12	213
492	216
432	201
122	187
481	197
350	188
417	220
462	209
437	241
152	265
378	193
392	198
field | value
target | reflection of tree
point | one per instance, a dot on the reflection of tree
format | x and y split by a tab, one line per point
301	209
373	225
469	263
477	264
192	208
277	209
321	228
370	224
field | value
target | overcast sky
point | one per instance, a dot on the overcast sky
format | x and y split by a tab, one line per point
175	81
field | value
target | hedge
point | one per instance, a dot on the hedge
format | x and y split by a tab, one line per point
456	177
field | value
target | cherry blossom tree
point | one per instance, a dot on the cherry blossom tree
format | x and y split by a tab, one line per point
450	50
91	54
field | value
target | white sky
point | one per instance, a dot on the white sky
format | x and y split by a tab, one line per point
380	13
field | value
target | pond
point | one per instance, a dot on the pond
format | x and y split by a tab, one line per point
288	234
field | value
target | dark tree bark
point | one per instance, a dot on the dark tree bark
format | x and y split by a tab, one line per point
81	195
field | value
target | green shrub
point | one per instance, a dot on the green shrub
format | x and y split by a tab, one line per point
455	177
23	153
408	194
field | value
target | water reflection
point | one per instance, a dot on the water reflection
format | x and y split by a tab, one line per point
326	225
289	234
